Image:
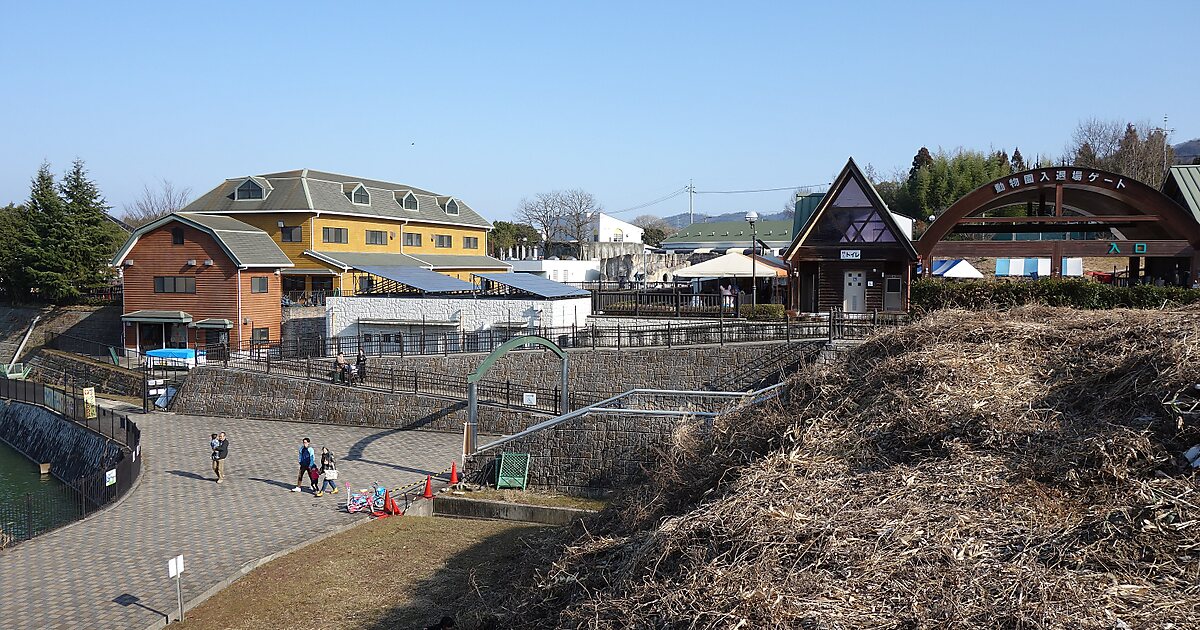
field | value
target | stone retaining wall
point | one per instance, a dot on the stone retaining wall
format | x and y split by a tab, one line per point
71	450
49	367
302	321
214	391
740	367
589	455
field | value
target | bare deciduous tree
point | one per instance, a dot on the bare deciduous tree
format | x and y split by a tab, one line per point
578	207
650	221
155	203
1138	150
542	213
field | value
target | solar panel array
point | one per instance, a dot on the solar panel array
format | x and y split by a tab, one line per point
535	285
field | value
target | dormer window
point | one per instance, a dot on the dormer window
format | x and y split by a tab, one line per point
358	193
248	190
452	207
406	199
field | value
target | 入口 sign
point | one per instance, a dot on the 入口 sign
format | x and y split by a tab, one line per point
1138	248
851	254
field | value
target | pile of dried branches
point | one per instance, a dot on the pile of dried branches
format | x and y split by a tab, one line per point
1015	470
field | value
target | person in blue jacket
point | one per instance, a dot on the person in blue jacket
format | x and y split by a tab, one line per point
308	459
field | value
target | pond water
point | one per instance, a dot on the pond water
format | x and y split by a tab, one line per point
30	499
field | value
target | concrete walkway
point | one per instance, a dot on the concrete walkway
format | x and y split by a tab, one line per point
110	571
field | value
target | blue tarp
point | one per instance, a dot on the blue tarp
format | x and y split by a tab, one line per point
174	353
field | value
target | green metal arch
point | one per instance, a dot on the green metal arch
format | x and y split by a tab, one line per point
509	345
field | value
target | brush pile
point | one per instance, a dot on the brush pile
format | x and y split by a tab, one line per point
971	470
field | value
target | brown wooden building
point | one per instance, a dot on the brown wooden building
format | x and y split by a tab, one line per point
851	253
193	279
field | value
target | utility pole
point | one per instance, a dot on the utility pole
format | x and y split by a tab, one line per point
1165	133
691	194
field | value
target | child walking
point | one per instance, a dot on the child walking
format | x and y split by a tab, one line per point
330	472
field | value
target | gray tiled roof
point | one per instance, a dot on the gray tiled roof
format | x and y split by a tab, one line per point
246	245
319	191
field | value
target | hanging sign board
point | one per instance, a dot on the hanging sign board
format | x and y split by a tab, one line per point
851	254
110	477
89	402
530	399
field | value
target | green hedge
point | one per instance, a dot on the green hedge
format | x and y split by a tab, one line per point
762	311
932	294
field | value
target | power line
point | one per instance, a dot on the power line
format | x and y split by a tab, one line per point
759	190
669	196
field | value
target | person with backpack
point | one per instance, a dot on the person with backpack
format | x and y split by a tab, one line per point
308	460
330	471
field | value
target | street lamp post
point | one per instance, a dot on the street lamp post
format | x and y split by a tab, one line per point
752	219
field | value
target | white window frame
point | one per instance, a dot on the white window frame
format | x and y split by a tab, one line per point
237	191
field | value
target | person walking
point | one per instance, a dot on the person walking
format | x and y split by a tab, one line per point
219	454
330	471
308	459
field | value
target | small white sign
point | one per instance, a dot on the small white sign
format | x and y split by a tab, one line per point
157	381
851	254
870	283
110	477
530	398
175	565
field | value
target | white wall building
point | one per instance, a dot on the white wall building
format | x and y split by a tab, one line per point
560	270
606	229
385	318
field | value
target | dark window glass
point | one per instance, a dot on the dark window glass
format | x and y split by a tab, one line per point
470	242
249	190
293	234
361	196
412	239
410	202
376	237
452	207
258	284
387	338
445	240
367	337
174	284
293	284
366	284
261	335
335	235
177	236
322	283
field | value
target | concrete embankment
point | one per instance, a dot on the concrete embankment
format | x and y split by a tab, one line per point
71	450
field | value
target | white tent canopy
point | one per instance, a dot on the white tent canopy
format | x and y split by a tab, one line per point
730	266
955	269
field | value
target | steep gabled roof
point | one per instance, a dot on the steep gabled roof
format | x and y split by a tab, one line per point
851	173
318	191
1183	185
246	245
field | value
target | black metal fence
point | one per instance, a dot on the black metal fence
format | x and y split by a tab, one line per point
665	304
103	352
434	340
399	380
25	516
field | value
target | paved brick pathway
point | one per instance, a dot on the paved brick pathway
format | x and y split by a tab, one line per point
111	571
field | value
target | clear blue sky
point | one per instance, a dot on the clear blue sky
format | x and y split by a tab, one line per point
494	101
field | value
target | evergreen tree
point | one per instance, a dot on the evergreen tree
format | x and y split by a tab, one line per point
16	242
1018	162
1085	156
92	243
49	265
922	158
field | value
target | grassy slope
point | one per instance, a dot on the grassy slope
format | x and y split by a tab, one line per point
393	573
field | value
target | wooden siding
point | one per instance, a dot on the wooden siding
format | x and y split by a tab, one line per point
356	234
831	282
263	310
216	293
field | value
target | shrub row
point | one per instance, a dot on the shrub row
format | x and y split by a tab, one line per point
933	294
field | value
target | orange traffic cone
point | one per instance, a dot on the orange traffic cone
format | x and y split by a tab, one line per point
453	473
428	487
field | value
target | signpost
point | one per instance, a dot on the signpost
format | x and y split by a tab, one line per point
175	570
529	399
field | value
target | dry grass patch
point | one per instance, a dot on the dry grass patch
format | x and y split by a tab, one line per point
527	497
393	573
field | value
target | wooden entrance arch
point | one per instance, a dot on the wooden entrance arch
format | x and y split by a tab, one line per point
1133	220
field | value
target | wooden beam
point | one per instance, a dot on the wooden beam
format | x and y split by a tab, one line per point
1115	218
1045	249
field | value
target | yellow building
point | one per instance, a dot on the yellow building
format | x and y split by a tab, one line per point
349	235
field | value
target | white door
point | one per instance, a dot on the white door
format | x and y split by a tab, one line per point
854	293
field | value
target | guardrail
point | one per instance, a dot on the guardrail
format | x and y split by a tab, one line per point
26	516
